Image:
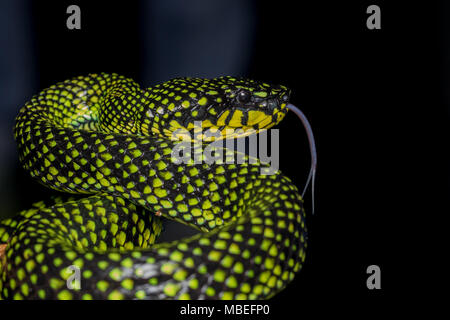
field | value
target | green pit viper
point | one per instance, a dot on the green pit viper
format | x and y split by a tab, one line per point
104	136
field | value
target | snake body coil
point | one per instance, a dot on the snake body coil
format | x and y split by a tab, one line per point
103	136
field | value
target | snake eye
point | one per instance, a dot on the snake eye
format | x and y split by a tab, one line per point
244	97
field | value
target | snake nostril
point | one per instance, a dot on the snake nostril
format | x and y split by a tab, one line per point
272	104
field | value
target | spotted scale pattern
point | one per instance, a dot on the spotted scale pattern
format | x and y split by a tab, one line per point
99	135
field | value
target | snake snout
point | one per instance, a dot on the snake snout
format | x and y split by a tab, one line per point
272	104
279	100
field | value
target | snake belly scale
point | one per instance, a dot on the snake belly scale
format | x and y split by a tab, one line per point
103	136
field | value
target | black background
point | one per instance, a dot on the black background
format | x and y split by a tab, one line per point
373	98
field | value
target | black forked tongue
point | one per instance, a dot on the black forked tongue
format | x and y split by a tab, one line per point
312	148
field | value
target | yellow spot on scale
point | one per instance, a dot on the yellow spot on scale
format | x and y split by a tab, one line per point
171	289
261	94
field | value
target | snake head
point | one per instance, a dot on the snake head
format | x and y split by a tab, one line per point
252	104
224	107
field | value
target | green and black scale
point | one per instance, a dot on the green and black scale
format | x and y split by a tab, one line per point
103	136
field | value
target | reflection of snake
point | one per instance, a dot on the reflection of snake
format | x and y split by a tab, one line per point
103	135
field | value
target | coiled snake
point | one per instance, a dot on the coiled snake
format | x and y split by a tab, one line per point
103	136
